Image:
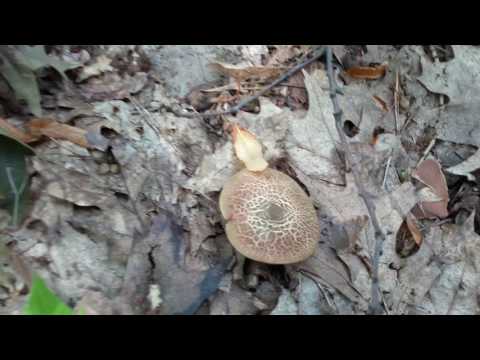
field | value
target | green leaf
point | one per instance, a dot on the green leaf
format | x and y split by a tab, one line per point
23	82
35	58
18	65
13	176
42	301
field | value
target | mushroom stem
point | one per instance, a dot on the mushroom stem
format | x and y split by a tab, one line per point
239	266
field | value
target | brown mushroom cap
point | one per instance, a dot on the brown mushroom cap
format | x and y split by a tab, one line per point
269	217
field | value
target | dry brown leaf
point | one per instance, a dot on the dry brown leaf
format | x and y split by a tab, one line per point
282	55
101	65
382	105
429	172
246	73
367	72
46	127
414	230
15	132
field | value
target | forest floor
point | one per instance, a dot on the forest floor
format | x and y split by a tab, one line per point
120	212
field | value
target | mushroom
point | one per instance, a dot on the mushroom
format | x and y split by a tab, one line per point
269	218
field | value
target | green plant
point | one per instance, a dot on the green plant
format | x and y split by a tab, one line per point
42	301
13	176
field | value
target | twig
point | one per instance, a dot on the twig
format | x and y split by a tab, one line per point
386	173
433	49
427	150
17	193
396	102
375	305
320	287
316	55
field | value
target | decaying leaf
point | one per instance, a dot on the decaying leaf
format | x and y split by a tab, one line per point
18	65
466	167
282	54
94	303
286	304
457	79
185	282
248	149
47	127
311	141
14	132
366	72
414	230
13	175
35	58
113	87
409	237
435	198
443	277
235	301
101	65
23	82
241	73
380	103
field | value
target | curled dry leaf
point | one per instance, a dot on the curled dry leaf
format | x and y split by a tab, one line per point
435	199
248	149
466	167
101	65
16	133
381	104
45	127
414	230
282	54
367	72
241	73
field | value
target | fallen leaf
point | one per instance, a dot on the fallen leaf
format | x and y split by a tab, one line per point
414	230
311	141
23	82
184	286
366	72
429	172
113	87
286	304
13	175
466	167
270	125
235	301
15	132
242	73
282	54
18	65
94	303
382	105
101	65
46	127
325	266
35	58
42	301
457	255
457	79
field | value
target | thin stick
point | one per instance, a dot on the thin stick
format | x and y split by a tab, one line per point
386	173
320	287
375	305
316	55
16	193
427	150
395	103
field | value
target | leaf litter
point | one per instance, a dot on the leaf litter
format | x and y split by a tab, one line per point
128	221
